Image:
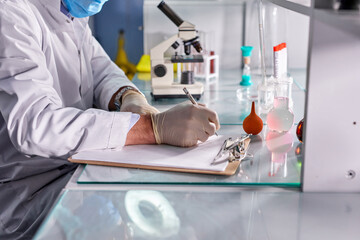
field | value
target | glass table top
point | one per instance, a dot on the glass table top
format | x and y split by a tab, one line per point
190	214
276	158
276	161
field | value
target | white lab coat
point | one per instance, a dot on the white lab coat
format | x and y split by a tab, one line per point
52	72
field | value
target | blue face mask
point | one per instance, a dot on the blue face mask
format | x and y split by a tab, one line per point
84	8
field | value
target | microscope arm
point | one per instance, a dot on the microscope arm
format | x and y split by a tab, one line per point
157	52
162	72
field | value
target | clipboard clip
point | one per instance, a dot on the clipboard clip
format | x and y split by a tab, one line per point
235	149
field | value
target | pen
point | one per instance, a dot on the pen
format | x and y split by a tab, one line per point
192	100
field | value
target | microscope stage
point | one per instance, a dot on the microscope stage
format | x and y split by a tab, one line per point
187	58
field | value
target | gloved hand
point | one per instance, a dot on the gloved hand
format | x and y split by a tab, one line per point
134	102
184	124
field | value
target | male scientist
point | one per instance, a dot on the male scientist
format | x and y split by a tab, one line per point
52	73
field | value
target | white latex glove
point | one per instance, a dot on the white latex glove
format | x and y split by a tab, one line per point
134	102
184	124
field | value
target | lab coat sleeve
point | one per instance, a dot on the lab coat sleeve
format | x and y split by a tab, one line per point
36	120
108	77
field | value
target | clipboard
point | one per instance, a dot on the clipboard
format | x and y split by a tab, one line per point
230	169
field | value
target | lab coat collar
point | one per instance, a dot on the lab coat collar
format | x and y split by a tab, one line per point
59	19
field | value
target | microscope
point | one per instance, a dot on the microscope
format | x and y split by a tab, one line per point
162	71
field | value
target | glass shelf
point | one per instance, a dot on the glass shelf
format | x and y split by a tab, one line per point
276	162
191	214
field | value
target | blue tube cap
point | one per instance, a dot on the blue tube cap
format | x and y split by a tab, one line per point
246	51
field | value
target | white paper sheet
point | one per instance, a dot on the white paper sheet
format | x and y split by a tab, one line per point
199	157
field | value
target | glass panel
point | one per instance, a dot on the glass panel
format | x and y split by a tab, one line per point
276	161
232	214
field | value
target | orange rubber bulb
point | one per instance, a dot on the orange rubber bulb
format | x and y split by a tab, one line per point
253	124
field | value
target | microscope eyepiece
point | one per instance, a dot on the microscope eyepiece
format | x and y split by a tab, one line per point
170	13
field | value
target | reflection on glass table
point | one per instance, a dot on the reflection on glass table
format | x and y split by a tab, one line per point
149	214
276	161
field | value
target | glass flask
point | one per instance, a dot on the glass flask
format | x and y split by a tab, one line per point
280	118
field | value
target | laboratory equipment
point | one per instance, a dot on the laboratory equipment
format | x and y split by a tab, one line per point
280	60
233	150
265	96
162	76
265	88
278	85
282	80
280	118
299	130
246	73
283	88
272	31
246	92
253	124
209	69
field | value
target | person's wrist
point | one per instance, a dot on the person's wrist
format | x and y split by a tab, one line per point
142	132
